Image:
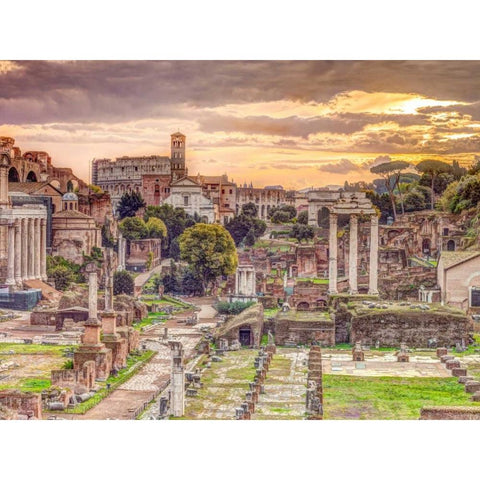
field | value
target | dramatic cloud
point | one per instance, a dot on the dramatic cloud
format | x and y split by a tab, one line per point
266	120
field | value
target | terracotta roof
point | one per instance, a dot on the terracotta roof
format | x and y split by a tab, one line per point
29	187
71	214
450	259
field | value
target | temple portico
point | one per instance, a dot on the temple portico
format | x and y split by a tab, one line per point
245	284
356	206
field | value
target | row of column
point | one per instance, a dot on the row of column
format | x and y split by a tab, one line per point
353	255
245	282
27	250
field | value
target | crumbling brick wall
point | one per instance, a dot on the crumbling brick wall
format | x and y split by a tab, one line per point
28	405
413	327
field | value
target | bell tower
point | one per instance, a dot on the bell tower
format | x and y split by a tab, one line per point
177	158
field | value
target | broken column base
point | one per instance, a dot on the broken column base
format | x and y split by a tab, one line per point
119	348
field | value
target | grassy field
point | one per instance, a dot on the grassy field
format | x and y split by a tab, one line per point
388	398
33	365
153	317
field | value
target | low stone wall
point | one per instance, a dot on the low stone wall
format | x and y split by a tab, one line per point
26	406
43	318
450	413
413	327
289	331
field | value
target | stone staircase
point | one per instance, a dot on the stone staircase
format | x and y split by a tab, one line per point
48	292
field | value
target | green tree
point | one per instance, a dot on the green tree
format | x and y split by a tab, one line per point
281	216
174	250
62	276
303	232
250	238
433	168
391	173
123	283
282	213
210	252
190	283
239	227
133	228
303	217
156	228
176	221
249	209
129	204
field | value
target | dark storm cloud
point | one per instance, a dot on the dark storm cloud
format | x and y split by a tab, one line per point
41	92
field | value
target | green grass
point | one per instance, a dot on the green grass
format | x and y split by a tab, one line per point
388	398
30	385
270	312
34	349
160	317
316	281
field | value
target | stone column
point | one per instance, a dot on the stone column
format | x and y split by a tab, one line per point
237	284
36	233
18	252
11	256
24	249
92	325
332	255
352	255
31	249
177	381
373	280
4	167
43	249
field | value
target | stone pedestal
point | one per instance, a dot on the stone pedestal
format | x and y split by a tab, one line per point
114	341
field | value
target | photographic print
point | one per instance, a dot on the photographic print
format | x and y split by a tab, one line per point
239	240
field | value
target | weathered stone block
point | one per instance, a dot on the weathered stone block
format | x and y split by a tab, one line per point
459	372
472	386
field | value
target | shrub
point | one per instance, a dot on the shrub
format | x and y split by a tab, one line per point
232	308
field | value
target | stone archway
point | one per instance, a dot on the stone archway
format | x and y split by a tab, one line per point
451	245
13	175
31	177
302	306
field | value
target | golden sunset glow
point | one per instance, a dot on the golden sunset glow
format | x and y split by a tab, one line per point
292	123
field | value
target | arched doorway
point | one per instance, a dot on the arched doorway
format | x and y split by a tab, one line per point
302	306
13	175
451	245
31	177
426	246
245	336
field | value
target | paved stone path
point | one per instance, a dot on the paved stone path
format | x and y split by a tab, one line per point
285	387
383	365
154	377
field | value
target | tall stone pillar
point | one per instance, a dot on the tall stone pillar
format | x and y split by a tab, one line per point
373	280
11	256
4	167
18	252
37	236
31	249
332	255
24	248
177	381
108	281
43	249
121	252
352	256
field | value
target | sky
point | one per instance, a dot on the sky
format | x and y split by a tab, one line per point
294	123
